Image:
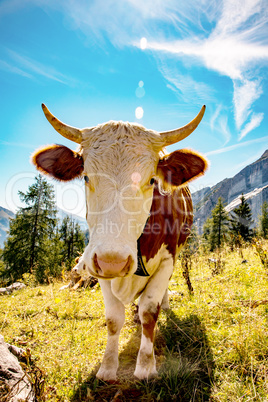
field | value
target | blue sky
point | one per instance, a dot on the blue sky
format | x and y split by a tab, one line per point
93	61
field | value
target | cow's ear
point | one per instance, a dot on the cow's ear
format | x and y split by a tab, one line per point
59	162
180	167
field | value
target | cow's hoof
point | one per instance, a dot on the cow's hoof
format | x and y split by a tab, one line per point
165	306
144	374
106	375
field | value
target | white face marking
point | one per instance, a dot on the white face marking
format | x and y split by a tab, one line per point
119	161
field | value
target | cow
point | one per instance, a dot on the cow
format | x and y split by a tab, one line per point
139	213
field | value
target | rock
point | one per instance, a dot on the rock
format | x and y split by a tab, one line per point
18	352
13	377
14	286
4	291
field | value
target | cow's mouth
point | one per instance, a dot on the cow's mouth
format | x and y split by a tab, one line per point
110	270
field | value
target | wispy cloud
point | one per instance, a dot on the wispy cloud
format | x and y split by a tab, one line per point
237	43
233	46
224	128
38	68
4	66
215	117
16	144
219	123
123	20
245	94
237	146
255	121
185	87
29	68
228	37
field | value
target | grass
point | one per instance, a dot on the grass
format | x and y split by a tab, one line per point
210	346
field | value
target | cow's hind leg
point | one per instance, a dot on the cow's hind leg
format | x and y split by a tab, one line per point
115	317
150	302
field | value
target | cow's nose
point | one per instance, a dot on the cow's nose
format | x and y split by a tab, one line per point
111	266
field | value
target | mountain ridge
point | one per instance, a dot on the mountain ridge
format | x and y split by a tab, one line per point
6	215
252	181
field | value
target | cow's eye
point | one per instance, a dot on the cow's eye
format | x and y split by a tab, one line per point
152	181
86	179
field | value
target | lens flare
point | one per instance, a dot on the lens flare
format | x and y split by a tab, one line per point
143	43
136	177
140	91
139	112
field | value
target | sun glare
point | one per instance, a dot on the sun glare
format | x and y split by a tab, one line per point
139	112
143	43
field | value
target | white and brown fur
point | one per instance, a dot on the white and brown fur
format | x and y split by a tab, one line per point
109	156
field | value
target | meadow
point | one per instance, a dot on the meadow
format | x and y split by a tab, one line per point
211	345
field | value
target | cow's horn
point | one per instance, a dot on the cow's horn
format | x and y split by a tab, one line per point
71	133
170	137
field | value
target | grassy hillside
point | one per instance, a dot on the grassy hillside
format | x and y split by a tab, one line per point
210	346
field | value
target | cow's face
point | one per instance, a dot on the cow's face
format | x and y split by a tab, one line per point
120	163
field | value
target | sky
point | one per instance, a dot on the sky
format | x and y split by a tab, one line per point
155	62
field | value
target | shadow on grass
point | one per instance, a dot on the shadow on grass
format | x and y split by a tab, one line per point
185	367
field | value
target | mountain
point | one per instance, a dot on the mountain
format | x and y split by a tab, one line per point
6	214
81	221
252	181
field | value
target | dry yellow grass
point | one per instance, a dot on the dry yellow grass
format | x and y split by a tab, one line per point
210	346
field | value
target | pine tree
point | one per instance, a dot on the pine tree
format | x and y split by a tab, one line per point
220	226
241	221
2	266
30	241
73	240
207	228
264	220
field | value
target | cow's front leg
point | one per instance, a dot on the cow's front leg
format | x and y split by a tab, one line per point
115	317
150	302
165	301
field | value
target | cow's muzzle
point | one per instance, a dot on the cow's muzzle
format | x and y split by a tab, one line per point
111	265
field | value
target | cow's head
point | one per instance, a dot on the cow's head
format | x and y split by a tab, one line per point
120	163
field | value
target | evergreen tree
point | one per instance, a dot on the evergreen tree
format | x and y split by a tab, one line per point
2	266
73	240
207	228
264	220
30	241
241	221
220	226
